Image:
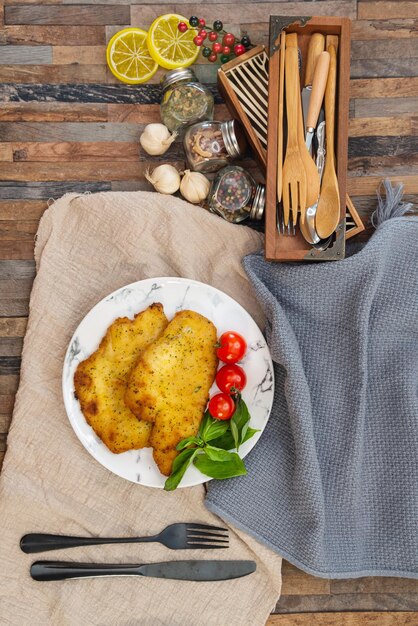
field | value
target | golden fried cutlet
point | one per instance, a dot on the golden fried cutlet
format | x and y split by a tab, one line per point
100	381
169	386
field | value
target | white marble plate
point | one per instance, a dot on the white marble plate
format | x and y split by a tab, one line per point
175	294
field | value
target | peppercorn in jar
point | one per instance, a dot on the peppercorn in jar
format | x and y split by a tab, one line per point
235	196
185	101
211	145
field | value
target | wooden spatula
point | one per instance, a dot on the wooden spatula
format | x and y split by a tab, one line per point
328	210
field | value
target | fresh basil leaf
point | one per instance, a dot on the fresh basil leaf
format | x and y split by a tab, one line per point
180	465
235	434
216	429
250	433
226	441
205	424
240	420
227	469
184	443
217	454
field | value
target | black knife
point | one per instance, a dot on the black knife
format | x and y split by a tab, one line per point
175	570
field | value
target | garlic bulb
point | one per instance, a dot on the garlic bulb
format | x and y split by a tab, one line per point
165	178
194	186
156	139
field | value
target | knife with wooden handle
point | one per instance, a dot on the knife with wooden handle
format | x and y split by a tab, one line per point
316	46
319	83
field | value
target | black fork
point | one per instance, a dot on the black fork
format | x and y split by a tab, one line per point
181	536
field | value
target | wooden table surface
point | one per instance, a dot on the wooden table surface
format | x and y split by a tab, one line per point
67	125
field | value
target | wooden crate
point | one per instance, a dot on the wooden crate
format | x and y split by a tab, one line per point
277	246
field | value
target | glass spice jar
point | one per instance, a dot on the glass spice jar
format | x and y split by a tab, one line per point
185	100
211	145
235	196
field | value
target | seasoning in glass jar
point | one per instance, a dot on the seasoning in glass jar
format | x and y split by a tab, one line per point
211	145
185	100
235	196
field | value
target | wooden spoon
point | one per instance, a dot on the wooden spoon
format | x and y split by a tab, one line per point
328	211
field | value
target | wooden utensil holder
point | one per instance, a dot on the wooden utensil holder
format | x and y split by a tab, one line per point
279	247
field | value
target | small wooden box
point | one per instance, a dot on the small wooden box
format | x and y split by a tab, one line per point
284	248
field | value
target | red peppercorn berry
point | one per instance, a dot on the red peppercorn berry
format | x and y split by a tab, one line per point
216	47
239	49
213	36
198	40
212	57
226	50
202	22
228	39
202	33
182	26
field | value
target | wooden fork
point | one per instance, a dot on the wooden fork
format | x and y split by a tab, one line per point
294	175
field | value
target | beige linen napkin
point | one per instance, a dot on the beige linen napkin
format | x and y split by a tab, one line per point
88	246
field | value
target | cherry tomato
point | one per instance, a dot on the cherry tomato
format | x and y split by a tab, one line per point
231	378
221	406
228	39
232	347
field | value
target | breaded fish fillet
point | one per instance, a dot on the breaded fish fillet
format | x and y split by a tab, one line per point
169	385
100	381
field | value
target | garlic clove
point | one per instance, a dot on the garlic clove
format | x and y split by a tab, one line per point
156	139
194	187
164	178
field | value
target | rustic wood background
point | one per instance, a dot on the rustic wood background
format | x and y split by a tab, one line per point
67	125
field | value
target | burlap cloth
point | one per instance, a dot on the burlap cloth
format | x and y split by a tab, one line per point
88	246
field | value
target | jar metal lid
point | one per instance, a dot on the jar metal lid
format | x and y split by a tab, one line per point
182	73
259	202
233	137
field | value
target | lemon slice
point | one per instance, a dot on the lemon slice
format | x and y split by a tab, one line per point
128	57
168	46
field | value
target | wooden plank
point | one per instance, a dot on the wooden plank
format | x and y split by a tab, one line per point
375	126
15	210
383	67
26	55
55	35
18	231
6	152
72	15
345	619
13	326
375	585
75	171
2	443
43	190
1	459
69	132
149	113
89	92
384	49
52	112
6	418
372	146
387	10
10	249
14	289
9	365
382	166
298	583
84	55
384	29
6	404
259	11
384	87
367	185
11	346
8	386
52	73
81	151
348	601
16	270
385	107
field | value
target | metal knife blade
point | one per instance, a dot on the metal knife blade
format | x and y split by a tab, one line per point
198	570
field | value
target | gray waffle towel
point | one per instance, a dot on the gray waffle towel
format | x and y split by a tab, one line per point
333	483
